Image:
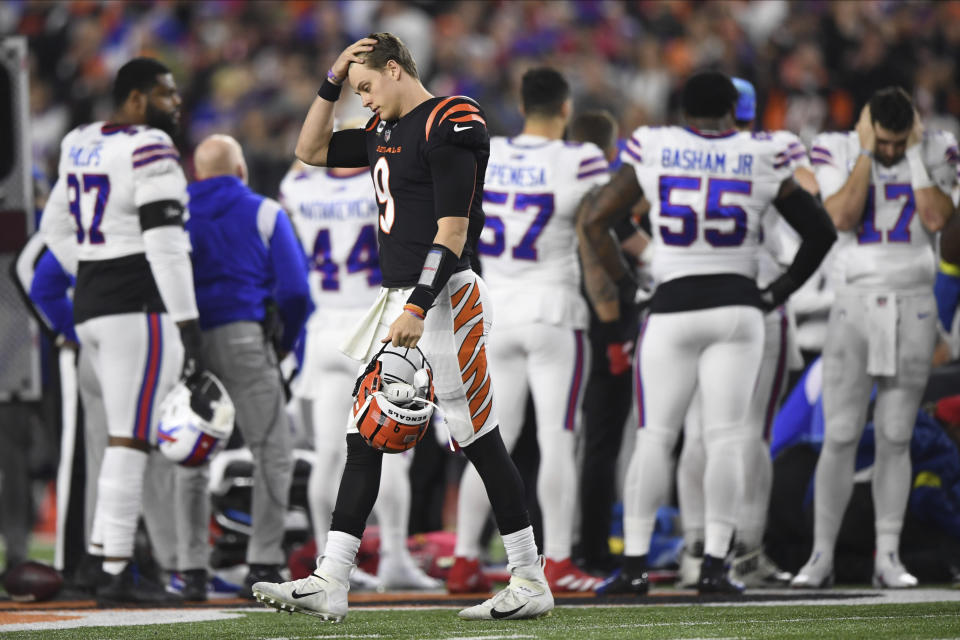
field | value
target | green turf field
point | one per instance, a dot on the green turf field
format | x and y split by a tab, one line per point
924	620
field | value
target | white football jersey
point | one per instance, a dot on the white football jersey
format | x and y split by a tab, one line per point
528	247
708	194
336	220
891	249
107	172
779	241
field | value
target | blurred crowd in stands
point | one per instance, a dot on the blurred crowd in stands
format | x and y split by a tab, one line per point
251	69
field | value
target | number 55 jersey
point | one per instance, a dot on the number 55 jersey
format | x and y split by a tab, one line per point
890	249
707	195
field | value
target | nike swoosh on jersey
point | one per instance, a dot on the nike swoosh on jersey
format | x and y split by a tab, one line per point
458	127
500	615
921	316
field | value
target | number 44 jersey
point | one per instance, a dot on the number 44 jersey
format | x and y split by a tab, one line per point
707	193
336	220
528	247
890	249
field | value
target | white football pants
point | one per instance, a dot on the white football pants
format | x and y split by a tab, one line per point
846	393
767	394
552	363
718	351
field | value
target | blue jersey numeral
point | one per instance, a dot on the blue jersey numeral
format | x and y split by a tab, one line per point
543	206
715	210
363	256
900	233
100	182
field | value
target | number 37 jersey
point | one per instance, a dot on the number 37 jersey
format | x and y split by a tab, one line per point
707	193
336	220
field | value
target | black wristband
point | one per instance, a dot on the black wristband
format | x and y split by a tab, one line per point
330	91
440	264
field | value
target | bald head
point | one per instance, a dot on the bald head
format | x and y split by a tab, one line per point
219	155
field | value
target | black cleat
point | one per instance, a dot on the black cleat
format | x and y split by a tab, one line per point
260	573
623	583
714	578
127	587
194	585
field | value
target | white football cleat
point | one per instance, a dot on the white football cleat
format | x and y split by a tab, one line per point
360	580
318	594
816	574
689	573
756	570
889	573
399	571
526	596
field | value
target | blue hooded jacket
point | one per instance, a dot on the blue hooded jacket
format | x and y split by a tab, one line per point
244	253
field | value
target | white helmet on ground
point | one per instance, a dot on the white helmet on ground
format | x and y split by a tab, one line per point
196	420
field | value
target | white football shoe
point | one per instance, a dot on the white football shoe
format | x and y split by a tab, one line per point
360	580
816	574
755	570
688	574
399	571
319	594
889	573
526	596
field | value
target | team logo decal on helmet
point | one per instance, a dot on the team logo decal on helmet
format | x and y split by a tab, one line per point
196	420
394	399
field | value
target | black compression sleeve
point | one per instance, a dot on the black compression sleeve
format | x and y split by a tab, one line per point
454	173
624	228
162	213
805	214
348	149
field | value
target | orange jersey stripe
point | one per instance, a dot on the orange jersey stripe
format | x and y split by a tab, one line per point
374	123
468	118
457	108
433	114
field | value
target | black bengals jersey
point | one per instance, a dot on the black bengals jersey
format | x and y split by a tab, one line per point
406	159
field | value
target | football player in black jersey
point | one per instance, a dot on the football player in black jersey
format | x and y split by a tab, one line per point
428	157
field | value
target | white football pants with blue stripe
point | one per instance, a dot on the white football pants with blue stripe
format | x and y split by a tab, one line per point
718	351
551	363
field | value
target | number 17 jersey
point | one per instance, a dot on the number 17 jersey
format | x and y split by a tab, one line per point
707	193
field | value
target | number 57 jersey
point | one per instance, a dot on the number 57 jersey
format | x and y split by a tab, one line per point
528	247
707	194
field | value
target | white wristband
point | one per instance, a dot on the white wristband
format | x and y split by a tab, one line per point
919	178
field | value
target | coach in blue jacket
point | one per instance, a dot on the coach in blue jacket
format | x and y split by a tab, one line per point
247	258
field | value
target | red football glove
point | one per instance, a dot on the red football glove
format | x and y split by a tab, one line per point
620	357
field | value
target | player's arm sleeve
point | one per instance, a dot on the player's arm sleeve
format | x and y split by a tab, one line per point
291	289
946	289
454	172
348	149
807	216
48	293
160	189
58	228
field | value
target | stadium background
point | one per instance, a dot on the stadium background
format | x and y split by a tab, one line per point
251	69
